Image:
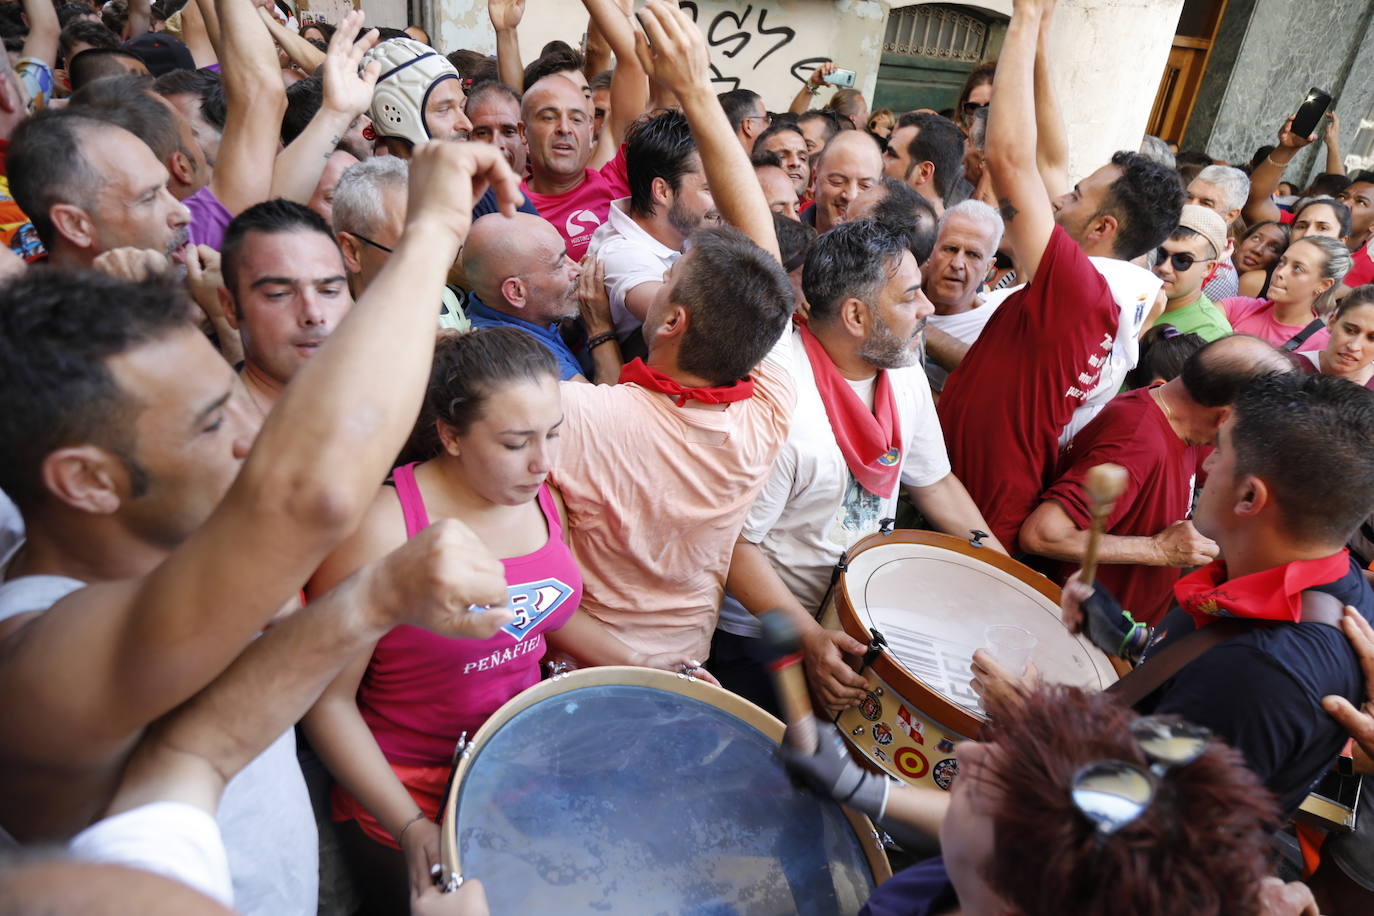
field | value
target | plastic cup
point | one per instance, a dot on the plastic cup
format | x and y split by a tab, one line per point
1011	646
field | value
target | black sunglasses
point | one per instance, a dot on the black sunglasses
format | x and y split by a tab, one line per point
1181	260
971	107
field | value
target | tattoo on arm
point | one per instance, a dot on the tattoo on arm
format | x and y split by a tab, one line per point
1008	211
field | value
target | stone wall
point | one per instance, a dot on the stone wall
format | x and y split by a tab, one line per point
1268	53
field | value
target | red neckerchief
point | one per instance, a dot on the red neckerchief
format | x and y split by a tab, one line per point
637	371
1272	594
870	440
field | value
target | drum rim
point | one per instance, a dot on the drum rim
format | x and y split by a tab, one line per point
949	714
619	675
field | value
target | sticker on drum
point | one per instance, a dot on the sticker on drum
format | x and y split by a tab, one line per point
871	707
627	790
944	772
904	733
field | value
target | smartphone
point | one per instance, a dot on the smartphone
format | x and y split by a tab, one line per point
1310	112
840	78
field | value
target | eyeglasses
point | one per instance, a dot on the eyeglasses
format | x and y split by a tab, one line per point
1113	793
1181	260
367	241
971	107
765	118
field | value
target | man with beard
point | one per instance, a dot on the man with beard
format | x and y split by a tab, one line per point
864	426
285	291
644	233
90	187
520	276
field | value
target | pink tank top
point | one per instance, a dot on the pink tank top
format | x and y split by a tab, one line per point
421	690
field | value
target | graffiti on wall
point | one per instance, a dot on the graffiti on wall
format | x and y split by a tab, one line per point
742	40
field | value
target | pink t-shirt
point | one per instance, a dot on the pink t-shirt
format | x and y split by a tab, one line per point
1256	317
657	496
422	690
576	214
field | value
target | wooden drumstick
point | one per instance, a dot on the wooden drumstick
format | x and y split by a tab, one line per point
1104	484
783	645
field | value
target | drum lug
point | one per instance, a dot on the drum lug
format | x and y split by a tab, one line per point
977	539
886	526
462	748
875	646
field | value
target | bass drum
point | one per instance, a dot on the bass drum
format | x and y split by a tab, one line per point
630	790
923	601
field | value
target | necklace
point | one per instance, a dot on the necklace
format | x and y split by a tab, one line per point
1164	405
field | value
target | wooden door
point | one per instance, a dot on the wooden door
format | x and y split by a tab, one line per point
1198	22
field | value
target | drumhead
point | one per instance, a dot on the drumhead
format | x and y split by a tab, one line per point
628	790
934	604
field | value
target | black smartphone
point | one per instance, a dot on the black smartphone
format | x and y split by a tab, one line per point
1310	112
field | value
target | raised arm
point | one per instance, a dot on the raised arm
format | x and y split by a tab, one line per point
195	36
1013	140
429	581
629	85
1332	136
596	56
302	53
1264	180
140	19
347	94
672	51
255	102
1052	140
505	20
44	30
140	647
811	88
209	18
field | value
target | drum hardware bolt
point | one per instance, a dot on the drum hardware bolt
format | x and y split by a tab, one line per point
842	564
450	884
977	539
875	646
460	748
886	526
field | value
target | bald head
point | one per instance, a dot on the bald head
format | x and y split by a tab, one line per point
558	129
850	164
520	266
1216	374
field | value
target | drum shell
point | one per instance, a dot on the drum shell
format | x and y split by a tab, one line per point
919	721
565	684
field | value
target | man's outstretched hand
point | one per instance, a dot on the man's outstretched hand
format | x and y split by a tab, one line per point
1358	722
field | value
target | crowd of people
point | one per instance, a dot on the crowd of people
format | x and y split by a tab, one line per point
349	385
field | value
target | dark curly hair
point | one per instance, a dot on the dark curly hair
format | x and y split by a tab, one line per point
1201	847
1147	201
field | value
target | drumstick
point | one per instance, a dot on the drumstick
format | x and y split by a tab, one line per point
1104	484
784	653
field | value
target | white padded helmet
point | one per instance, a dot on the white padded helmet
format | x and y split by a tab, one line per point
410	71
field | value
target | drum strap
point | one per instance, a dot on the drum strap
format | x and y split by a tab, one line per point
1317	607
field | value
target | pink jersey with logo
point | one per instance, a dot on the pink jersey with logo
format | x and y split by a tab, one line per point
421	691
578	213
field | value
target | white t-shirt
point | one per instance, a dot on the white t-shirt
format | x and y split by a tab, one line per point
265	815
631	257
963	327
173	839
1134	288
811	509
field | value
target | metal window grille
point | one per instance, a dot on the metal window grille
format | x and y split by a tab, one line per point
936	31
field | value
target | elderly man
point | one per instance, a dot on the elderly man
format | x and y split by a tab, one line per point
521	276
963	255
850	164
369	214
1223	190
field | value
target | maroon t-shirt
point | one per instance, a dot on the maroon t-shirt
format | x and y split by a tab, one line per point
1131	431
1036	361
